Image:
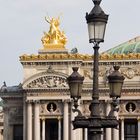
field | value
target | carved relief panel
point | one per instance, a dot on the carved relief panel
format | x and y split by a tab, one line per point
129	108
48	82
51	108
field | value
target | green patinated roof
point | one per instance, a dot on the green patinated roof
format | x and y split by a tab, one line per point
131	46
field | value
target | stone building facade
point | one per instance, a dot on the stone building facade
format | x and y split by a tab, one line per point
41	108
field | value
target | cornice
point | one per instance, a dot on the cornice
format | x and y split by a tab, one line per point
103	91
82	57
31	90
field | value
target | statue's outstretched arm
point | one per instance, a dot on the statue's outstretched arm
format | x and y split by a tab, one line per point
47	19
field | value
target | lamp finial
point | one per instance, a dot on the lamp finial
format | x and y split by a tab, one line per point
97	2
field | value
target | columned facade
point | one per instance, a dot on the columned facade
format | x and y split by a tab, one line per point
41	107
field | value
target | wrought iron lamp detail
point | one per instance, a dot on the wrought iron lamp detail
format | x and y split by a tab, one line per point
96	21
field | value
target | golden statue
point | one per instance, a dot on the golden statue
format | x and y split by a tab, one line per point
54	39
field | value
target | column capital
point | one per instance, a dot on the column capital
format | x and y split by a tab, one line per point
29	101
43	118
66	101
36	101
122	118
138	118
59	118
108	101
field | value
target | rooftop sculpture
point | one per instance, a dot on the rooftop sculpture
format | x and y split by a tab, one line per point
54	39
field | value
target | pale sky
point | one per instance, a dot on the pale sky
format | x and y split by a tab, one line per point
22	24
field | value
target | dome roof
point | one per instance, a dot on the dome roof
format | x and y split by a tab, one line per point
131	46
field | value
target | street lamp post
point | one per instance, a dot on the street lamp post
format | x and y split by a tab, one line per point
96	21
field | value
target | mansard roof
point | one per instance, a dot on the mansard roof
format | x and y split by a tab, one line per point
6	89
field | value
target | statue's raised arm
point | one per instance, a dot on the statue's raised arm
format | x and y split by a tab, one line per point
48	19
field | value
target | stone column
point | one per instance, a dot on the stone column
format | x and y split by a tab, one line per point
72	132
59	128
102	136
85	134
138	127
1	135
43	128
29	121
79	132
116	131
24	120
122	128
65	121
36	121
108	130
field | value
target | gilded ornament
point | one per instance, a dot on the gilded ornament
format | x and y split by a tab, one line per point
84	57
54	39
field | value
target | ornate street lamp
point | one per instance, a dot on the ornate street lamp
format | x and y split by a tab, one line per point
115	80
96	21
75	81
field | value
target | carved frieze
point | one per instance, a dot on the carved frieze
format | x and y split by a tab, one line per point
130	72
48	82
104	71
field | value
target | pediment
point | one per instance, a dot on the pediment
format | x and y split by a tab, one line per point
47	80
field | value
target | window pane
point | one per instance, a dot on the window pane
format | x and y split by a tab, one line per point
130	130
18	132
